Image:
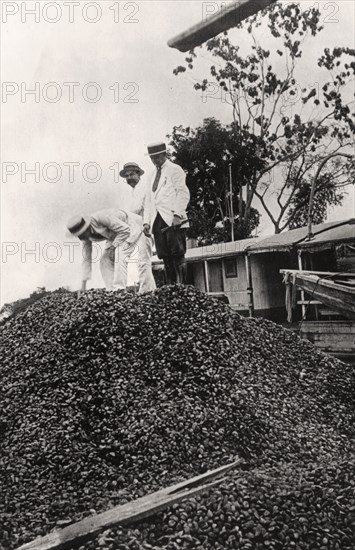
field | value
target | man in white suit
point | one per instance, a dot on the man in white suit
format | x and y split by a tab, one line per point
166	214
122	231
132	198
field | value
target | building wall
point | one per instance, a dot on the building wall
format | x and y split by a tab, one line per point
269	290
215	276
199	276
235	287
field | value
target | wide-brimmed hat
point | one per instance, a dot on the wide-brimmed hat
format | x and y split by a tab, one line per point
131	166
78	225
156	149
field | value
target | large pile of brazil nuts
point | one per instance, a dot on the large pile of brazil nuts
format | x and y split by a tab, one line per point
111	396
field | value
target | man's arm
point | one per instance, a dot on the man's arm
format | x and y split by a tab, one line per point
178	179
127	231
113	222
147	208
86	263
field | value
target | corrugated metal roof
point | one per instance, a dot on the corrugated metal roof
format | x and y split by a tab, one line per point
214	251
342	233
219	250
323	232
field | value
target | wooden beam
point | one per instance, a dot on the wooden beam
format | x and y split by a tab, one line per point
332	293
227	17
304	309
250	289
207	282
319	273
129	513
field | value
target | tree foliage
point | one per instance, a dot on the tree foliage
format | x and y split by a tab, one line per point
326	194
287	123
210	154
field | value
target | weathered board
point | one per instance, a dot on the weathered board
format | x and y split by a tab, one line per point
328	288
129	513
227	17
335	337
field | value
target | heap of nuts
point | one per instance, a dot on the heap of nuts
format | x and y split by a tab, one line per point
111	396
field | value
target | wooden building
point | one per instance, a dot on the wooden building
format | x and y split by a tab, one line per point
247	274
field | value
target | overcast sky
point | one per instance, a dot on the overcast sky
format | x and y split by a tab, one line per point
104	90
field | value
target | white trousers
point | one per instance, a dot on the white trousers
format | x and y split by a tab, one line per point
113	265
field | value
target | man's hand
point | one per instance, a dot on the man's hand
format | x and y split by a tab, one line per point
146	230
125	246
176	221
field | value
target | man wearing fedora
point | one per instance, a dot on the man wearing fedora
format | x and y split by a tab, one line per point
132	193
122	232
166	213
133	198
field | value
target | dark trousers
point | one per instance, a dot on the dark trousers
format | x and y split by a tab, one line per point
171	248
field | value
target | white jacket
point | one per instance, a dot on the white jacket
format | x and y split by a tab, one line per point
132	199
171	197
114	226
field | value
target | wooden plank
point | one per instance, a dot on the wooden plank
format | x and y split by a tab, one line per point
243	291
333	295
319	273
329	312
329	327
227	17
337	337
308	302
348	282
129	513
331	346
319	286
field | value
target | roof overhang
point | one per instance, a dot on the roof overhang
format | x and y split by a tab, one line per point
270	249
315	247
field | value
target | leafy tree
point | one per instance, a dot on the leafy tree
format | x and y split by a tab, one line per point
209	154
325	194
328	189
285	123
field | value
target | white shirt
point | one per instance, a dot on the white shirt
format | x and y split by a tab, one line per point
114	226
132	199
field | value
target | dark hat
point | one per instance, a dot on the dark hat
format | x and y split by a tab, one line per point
156	149
78	225
131	166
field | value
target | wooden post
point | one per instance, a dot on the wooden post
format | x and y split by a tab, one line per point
249	286
231	199
207	284
316	309
303	306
